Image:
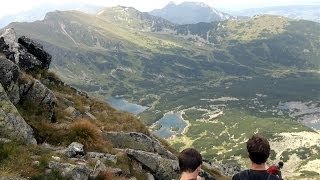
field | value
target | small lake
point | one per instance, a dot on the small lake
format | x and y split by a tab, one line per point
171	124
124	105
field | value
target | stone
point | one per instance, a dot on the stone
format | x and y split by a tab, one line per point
12	125
9	45
98	168
161	168
71	171
56	158
9	76
89	115
102	157
150	176
36	49
138	141
72	112
74	149
41	97
36	163
17	53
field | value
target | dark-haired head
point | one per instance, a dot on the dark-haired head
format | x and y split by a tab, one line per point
258	148
189	160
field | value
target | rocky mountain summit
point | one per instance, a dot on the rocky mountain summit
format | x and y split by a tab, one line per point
50	130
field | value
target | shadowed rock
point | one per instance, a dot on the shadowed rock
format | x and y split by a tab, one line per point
36	49
12	125
9	76
161	168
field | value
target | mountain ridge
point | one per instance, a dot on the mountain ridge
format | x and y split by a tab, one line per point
190	13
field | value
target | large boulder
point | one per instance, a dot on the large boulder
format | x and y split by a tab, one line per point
41	97
138	141
12	125
9	76
37	50
17	53
161	168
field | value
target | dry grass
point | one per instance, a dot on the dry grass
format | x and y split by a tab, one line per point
89	134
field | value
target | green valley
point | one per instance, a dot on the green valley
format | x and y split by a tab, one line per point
227	79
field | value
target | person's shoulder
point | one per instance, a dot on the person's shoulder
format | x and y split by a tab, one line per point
236	176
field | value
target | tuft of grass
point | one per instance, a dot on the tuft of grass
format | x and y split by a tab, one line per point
89	134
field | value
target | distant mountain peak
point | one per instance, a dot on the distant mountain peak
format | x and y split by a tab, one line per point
190	13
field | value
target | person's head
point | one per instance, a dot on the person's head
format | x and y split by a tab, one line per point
190	160
258	148
280	165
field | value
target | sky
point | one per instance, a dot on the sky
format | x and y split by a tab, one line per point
10	7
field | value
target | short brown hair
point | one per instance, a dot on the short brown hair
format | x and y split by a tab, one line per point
258	148
189	160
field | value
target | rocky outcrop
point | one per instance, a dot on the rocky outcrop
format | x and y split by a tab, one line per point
27	54
161	168
71	171
138	141
37	50
9	76
20	57
12	125
41	97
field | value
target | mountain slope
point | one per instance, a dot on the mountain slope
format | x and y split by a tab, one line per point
210	74
190	13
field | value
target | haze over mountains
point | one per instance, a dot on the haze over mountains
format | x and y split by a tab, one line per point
183	13
307	12
225	79
190	13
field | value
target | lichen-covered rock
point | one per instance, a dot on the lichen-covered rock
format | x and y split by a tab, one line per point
138	141
9	76
37	50
41	97
71	171
12	125
102	157
161	168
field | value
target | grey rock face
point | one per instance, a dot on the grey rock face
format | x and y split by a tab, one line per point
28	55
9	45
160	168
138	141
12	125
71	171
9	76
41	97
102	157
74	149
37	50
